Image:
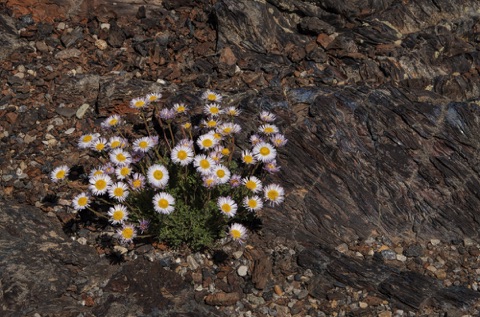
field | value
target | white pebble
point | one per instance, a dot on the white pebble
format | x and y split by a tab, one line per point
242	270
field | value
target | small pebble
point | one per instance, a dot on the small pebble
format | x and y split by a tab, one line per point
242	270
82	110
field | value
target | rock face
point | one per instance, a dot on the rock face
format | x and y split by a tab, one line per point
384	141
379	100
42	271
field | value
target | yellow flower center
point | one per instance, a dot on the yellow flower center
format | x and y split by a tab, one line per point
118	215
217	136
82	201
127	233
211	123
100	146
227	130
251	185
248	159
181	109
87	138
209	182
152	98
163	203
268	130
220	173
137	183
272	195
158	174
121	157
236	234
118	192
214	110
100	184
124	171
182	155
113	122
60	174
226	208
207	143
139	103
187	125
225	151
264	151
204	164
143	144
252	203
211	97
115	144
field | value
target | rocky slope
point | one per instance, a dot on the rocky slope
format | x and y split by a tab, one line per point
379	101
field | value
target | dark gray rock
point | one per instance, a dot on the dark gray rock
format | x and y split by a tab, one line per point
43	271
408	290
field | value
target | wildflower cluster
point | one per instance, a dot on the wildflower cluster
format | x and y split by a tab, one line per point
185	180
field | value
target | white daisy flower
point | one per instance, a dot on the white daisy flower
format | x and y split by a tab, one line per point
143	144
163	203
227	206
274	194
203	163
264	152
59	173
216	156
278	140
118	191
180	108
127	233
222	173
123	172
267	116
153	97
111	122
268	129
271	167
255	139
212	109
224	151
137	182
211	123
207	141
228	128
253	184
138	103
186	142
99	184
182	155
85	141
96	171
81	201
211	96
117	142
120	157
233	111
238	233
210	180
118	214
187	125
99	144
248	158
253	203
158	175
